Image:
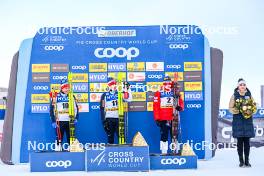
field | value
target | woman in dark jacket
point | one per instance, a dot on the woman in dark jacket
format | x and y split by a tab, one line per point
242	127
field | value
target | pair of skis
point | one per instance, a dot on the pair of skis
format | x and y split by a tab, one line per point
175	124
122	111
71	105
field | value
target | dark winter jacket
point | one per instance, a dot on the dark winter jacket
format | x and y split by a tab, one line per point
241	127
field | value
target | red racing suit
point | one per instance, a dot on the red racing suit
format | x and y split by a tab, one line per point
163	105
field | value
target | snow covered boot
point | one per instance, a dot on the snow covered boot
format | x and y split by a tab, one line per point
247	164
241	161
164	147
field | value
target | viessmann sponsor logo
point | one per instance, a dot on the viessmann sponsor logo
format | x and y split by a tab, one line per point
182	46
120	52
115	75
53	47
40	98
55	87
40	68
192	66
193	86
60	68
136	66
136	76
154	66
40	77
150	106
117	33
97	67
60	163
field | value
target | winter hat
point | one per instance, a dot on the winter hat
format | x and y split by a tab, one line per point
241	81
167	79
111	81
64	83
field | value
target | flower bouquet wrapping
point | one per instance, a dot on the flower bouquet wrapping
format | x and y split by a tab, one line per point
247	107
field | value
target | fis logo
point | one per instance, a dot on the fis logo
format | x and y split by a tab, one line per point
65	164
53	47
100	158
118	52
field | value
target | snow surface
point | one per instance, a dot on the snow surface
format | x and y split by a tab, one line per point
225	163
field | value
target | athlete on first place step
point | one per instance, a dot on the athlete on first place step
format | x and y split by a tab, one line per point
163	107
59	113
109	108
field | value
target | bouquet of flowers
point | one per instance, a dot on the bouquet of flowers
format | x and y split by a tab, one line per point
247	107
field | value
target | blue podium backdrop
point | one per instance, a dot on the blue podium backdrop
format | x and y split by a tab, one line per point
144	55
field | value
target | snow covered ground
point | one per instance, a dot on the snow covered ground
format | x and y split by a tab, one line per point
224	164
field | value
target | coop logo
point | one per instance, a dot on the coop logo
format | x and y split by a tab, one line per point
179	46
95	107
40	88
79	67
222	113
261	111
54	47
155	76
65	164
174	66
59	77
173	161
118	52
194	106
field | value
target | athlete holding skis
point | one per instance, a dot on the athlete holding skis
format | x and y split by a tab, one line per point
59	113
109	108
163	108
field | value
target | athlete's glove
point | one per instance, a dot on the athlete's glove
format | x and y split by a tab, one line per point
179	108
54	125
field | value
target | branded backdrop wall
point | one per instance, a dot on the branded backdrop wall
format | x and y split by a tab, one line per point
144	55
